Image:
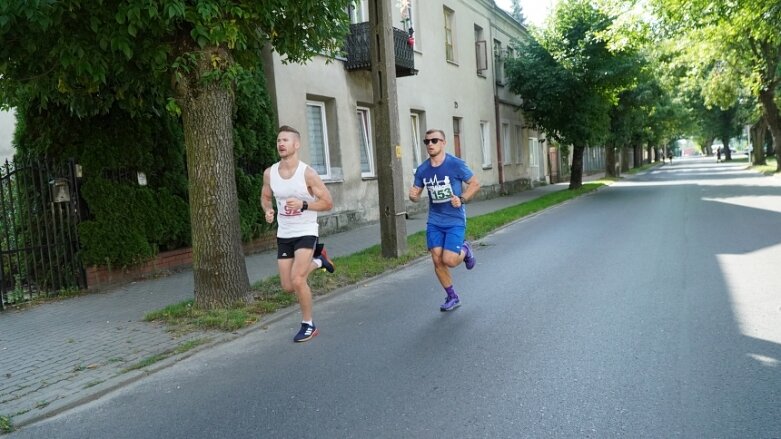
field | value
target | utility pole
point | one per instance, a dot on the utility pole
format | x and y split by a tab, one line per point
387	145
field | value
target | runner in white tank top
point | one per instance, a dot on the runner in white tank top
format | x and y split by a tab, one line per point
300	194
293	223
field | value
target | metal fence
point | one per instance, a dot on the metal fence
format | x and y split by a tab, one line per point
39	243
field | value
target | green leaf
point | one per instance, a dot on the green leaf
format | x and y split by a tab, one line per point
126	50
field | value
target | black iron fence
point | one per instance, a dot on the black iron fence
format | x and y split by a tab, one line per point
39	244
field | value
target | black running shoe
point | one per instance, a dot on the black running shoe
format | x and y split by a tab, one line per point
328	265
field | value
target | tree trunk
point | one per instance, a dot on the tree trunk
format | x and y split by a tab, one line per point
707	147
773	119
625	159
638	156
576	173
725	149
611	164
219	268
758	131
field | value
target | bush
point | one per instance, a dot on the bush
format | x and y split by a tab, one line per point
130	224
124	223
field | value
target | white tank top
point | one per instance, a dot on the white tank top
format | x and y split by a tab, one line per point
295	223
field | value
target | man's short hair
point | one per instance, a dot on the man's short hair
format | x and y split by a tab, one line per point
288	129
436	130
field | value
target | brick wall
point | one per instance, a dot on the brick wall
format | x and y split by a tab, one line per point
163	264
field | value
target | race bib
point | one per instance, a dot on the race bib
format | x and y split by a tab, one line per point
440	191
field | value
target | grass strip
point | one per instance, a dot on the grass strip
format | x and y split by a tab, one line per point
769	168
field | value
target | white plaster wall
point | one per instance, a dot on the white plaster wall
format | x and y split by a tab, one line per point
7	126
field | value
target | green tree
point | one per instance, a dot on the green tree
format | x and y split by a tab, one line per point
742	42
570	79
89	56
646	113
517	12
718	106
642	115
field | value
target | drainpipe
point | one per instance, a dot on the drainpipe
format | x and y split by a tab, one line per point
499	149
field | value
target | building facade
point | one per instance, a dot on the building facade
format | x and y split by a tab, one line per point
457	84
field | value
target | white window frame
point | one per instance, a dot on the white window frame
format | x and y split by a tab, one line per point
359	12
450	35
481	51
313	145
533	147
416	136
367	146
506	145
485	143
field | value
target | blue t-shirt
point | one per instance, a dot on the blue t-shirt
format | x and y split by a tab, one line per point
442	182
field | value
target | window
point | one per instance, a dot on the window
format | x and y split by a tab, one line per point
535	159
485	143
498	62
359	11
481	54
416	136
518	144
318	138
415	16
450	36
365	141
506	150
533	152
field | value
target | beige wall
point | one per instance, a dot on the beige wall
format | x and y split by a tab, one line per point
442	90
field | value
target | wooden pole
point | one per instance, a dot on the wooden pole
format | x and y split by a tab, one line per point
387	145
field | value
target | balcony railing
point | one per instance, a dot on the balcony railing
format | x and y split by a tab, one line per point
358	49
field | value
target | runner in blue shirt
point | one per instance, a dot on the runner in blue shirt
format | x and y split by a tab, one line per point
450	184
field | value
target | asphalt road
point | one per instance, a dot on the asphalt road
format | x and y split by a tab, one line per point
648	309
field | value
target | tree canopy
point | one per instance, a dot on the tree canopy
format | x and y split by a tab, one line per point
517	12
733	51
89	54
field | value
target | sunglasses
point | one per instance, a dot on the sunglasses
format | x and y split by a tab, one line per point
434	141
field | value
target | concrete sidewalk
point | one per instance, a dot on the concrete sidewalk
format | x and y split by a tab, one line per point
61	354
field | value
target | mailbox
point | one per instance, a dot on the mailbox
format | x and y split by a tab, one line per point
60	190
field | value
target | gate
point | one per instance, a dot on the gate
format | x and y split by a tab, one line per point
39	243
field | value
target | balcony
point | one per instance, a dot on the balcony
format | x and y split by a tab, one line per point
358	57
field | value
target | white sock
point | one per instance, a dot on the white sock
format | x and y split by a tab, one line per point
308	322
318	262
